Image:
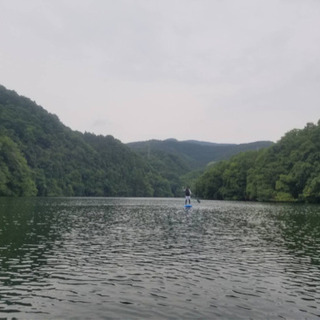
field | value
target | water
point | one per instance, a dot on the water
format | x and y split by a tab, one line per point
97	258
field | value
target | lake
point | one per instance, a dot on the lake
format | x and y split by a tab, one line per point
126	258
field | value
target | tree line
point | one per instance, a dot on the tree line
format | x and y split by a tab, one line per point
287	171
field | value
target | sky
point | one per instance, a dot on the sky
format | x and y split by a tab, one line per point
225	71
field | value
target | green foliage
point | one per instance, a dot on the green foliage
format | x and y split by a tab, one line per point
15	175
227	179
169	167
40	156
286	171
182	162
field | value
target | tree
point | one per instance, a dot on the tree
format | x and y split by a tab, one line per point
286	171
15	175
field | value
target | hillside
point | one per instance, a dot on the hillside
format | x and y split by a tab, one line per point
287	171
195	154
41	156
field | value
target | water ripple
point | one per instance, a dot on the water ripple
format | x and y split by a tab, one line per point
150	258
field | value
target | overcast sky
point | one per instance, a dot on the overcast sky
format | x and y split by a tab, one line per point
227	71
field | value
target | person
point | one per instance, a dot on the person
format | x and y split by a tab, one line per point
188	193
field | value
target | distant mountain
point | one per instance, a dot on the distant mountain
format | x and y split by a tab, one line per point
205	143
195	154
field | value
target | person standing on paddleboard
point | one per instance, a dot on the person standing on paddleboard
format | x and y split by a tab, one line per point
188	193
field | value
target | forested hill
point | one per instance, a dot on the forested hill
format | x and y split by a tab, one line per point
287	171
196	154
40	156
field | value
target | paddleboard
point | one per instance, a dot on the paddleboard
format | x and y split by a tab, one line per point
188	205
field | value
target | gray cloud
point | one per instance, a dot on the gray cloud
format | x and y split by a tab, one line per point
223	71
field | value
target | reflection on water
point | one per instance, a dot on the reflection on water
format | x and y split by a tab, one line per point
80	258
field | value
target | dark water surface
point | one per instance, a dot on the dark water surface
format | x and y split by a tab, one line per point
97	258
